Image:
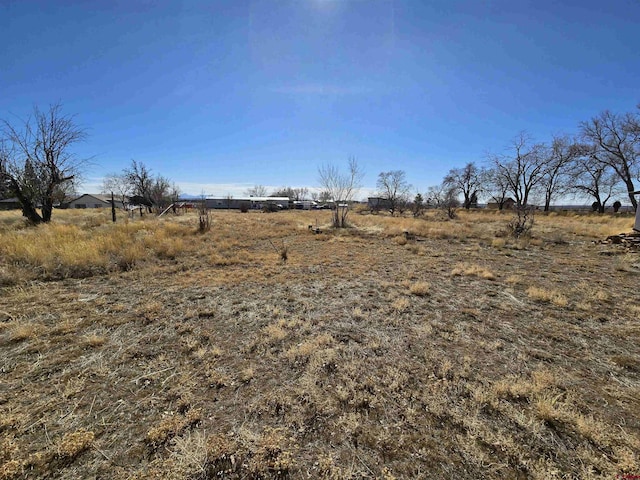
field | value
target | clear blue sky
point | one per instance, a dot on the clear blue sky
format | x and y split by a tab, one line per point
221	95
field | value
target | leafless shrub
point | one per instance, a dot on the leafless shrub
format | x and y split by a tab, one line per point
204	218
341	188
444	198
522	223
282	251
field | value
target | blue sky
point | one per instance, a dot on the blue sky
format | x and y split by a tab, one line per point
219	96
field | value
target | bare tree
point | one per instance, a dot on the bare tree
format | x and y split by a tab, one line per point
523	169
634	122
302	193
140	180
443	197
394	188
118	185
497	186
174	193
294	194
256	191
556	175
160	192
283	192
37	163
149	190
595	179
468	181
341	188
617	138
229	198
324	196
320	196
5	186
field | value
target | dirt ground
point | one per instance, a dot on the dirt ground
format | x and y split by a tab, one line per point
459	353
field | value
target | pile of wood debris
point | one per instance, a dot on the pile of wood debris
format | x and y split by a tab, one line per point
628	240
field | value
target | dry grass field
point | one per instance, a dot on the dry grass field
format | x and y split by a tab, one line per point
147	350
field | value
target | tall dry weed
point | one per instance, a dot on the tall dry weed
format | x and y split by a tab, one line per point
61	250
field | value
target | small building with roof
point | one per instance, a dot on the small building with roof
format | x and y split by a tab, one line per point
94	200
250	203
10	204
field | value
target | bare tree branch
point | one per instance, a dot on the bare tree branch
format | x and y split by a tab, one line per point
38	164
468	181
617	141
394	188
341	188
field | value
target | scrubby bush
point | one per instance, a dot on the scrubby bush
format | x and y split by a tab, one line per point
522	223
204	218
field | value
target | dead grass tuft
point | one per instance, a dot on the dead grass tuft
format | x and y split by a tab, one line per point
513	279
472	270
545	295
22	331
400	240
73	444
170	426
420	288
11	469
498	242
401	305
247	374
94	340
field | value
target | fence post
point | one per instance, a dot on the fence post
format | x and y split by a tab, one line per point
113	209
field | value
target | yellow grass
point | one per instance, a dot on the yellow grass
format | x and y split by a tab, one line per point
68	250
547	295
147	350
473	271
420	288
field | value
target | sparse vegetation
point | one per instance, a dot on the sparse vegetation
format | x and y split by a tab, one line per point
522	222
167	353
204	218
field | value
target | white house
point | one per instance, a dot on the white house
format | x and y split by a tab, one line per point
94	200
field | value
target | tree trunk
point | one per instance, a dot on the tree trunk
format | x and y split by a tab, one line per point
632	197
47	209
547	200
30	212
28	209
